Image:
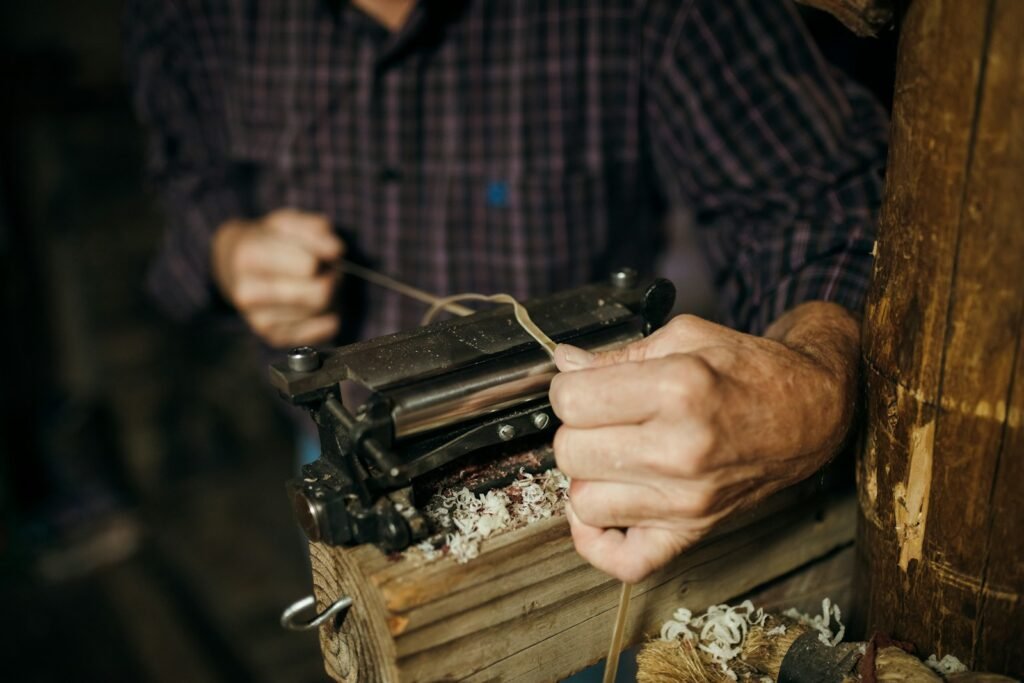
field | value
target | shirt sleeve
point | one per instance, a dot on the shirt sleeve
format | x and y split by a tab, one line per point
179	98
780	159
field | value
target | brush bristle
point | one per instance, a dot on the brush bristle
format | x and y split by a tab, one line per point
764	649
673	662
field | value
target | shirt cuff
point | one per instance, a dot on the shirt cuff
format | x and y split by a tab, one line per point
841	277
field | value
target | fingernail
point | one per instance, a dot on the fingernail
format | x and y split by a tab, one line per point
576	357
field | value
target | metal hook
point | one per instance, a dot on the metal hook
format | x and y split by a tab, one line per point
290	617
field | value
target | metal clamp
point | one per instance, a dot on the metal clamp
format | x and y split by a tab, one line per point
290	617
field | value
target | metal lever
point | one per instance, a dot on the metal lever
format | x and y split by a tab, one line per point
290	617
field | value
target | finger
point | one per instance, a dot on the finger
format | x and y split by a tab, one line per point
669	388
618	504
312	232
274	255
308	332
633	453
269	316
261	292
619	394
682	334
630	555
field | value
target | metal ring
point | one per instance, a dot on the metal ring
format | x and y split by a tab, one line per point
290	616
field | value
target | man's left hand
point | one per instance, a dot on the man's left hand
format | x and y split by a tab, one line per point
666	436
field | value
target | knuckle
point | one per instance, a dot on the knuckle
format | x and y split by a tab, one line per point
689	379
703	441
682	324
694	504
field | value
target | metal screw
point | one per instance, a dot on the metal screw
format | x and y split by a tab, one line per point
303	359
624	278
506	432
540	420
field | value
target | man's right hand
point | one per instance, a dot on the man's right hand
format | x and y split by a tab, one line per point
273	271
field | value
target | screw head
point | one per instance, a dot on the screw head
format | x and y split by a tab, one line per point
506	432
624	278
540	420
303	359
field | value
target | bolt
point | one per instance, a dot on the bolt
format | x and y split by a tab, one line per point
303	359
540	420
506	432
624	278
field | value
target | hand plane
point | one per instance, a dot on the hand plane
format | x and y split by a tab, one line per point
440	395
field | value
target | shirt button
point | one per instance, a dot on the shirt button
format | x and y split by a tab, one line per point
389	174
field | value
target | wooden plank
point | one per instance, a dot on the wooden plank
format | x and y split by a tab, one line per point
529	608
940	550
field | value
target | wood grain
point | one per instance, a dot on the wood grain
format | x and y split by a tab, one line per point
529	608
940	475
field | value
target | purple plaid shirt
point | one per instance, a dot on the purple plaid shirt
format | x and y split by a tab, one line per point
514	145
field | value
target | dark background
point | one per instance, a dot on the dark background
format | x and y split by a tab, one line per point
144	533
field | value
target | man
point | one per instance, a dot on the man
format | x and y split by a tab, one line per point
529	146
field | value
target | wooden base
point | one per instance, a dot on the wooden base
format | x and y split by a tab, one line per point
529	608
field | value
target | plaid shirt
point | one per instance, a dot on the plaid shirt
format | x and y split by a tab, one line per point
514	145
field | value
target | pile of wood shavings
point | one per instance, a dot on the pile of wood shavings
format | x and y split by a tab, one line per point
722	630
469	518
719	632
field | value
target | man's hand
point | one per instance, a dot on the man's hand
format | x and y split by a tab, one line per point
272	271
666	436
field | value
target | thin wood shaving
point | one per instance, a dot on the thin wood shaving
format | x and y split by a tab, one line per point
522	315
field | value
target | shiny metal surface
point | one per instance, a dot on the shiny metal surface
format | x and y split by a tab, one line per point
486	388
292	618
303	359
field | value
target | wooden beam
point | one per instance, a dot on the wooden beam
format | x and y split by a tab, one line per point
941	558
863	17
529	608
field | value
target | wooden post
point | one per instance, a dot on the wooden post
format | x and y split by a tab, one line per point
941	477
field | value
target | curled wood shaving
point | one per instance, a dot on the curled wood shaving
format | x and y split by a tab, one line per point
468	519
